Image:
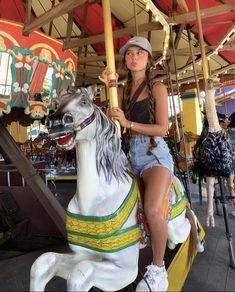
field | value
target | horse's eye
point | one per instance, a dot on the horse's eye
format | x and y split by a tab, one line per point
84	101
48	123
67	119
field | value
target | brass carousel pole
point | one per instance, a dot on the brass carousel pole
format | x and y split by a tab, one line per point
174	107
202	44
176	135
109	49
224	96
194	70
136	22
170	95
181	118
209	102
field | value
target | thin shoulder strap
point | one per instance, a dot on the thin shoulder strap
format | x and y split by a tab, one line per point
137	93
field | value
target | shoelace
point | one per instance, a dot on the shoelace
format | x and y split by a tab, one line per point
152	273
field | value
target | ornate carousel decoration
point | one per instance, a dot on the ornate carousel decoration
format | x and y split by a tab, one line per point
34	70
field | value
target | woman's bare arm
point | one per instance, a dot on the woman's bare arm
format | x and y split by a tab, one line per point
161	115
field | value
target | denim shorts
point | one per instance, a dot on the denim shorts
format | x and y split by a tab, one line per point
139	145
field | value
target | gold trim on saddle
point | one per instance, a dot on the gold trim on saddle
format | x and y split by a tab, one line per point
104	225
180	204
118	241
104	233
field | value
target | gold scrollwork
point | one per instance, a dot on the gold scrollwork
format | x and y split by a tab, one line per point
2	44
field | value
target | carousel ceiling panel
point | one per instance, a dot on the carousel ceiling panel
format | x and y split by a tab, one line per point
59	24
88	22
12	10
124	11
214	28
127	19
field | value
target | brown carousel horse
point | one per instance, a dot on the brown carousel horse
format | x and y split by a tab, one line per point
185	154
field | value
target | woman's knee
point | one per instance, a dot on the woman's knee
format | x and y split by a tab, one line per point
154	214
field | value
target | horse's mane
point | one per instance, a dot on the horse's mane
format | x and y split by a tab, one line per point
109	156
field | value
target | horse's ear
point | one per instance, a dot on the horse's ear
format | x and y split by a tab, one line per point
92	90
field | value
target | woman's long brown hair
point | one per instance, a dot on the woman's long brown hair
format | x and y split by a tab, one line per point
126	105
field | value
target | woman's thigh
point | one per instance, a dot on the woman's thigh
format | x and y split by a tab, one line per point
157	181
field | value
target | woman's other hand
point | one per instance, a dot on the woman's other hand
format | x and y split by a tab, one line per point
104	76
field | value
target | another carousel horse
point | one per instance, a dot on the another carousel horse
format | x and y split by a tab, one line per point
185	154
213	149
102	228
182	150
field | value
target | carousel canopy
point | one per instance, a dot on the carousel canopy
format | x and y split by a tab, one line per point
170	25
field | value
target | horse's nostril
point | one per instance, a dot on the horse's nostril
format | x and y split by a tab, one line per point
47	122
67	119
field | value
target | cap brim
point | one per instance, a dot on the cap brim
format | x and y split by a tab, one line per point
123	50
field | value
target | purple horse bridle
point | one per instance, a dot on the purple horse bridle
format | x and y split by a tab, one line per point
85	123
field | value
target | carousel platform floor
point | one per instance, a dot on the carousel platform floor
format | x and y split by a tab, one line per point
210	270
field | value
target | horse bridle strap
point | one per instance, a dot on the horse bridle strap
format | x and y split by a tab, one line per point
86	122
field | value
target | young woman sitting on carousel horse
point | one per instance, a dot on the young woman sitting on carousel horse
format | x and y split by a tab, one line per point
143	112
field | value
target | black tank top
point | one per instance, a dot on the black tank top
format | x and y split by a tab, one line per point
140	112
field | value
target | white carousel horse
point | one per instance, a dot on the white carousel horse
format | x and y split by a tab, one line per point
102	228
213	126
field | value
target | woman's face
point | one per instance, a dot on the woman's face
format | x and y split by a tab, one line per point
136	59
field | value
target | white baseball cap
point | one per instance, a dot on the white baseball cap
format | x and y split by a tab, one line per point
139	42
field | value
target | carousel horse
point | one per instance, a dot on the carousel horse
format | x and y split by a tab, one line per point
182	150
210	180
185	154
212	150
102	228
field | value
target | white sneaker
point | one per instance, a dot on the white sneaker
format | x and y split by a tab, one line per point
156	277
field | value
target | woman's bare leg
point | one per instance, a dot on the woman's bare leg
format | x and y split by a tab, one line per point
157	181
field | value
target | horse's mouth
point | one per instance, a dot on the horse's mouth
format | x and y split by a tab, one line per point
66	141
63	139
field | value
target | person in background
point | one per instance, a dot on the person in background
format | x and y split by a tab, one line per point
143	113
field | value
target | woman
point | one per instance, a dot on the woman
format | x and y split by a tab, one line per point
146	123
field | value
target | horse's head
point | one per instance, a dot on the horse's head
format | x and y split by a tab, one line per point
74	114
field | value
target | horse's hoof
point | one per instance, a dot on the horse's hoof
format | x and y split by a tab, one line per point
210	221
171	245
201	246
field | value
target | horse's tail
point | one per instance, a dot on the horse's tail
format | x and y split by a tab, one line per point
192	236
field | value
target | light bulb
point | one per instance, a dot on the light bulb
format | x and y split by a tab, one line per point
156	17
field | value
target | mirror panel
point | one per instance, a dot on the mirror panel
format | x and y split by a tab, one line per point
5	76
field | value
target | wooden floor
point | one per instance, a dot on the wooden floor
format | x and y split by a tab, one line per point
210	270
